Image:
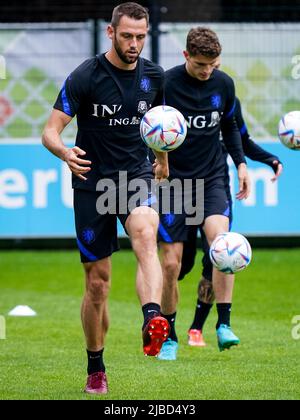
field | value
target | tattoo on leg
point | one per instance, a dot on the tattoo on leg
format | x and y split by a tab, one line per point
205	291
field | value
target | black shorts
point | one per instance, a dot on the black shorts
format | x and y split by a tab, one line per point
190	250
173	227
97	234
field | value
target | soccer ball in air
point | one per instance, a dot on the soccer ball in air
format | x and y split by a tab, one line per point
230	252
163	128
289	130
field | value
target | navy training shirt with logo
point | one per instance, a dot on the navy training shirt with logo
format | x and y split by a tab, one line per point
208	107
109	104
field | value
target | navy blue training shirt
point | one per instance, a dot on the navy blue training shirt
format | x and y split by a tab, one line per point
208	107
109	104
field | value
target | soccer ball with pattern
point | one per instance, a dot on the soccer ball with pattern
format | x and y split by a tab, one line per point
289	130
163	128
230	252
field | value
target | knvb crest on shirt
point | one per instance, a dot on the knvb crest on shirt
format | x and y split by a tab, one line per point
216	100
142	107
145	84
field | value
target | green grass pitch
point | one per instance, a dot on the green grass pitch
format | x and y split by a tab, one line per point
44	357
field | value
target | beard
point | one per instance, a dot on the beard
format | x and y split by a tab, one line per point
124	55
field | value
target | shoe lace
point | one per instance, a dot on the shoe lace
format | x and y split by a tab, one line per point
168	347
195	334
97	378
225	326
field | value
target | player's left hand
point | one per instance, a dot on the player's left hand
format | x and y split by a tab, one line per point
278	168
161	170
244	182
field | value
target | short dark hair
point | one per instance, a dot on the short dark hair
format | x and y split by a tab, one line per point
130	9
203	41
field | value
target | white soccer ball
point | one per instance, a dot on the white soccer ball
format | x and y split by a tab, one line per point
163	128
289	130
230	252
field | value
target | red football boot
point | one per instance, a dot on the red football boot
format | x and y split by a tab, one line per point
155	334
195	338
96	383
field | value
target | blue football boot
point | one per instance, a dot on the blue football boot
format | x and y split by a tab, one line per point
168	350
226	338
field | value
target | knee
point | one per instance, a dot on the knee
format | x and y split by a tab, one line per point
97	283
171	268
145	241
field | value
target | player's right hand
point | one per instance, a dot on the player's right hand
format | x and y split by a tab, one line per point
78	166
278	168
161	170
244	182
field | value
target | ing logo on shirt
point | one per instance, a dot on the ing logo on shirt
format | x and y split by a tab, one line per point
105	110
216	100
200	121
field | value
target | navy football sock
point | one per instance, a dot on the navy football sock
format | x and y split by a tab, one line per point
95	362
224	310
150	310
201	313
171	320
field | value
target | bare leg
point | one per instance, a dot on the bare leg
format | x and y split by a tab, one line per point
94	310
142	227
223	287
171	265
222	283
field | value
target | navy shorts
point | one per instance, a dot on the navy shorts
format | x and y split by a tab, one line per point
97	234
173	227
190	250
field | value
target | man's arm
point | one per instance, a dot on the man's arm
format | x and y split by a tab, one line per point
51	139
233	142
161	165
252	150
